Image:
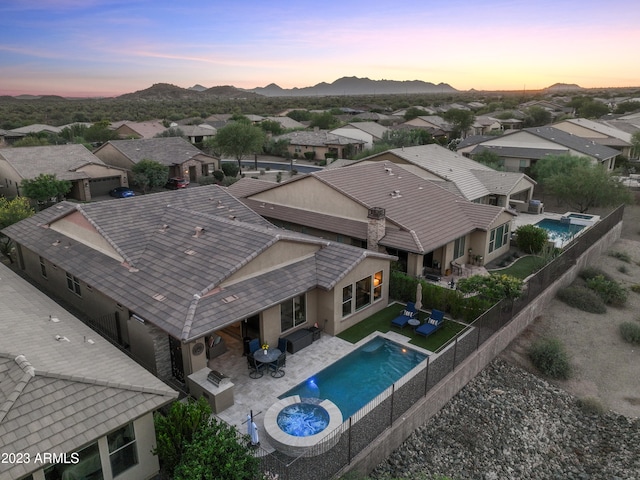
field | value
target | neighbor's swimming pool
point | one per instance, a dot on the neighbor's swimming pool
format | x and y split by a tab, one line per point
559	232
359	377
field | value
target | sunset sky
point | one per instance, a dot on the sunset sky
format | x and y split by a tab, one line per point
107	48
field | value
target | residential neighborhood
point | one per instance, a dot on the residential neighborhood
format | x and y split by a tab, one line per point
115	308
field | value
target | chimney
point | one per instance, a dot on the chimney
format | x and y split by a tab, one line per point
376	227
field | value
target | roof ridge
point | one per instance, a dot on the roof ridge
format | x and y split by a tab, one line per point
12	397
102	383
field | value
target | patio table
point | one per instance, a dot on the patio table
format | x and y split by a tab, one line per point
271	356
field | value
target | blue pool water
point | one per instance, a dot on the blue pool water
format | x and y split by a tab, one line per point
303	419
359	377
559	232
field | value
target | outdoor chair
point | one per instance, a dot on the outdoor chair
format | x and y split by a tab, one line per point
254	345
282	344
407	313
457	267
276	367
256	369
433	323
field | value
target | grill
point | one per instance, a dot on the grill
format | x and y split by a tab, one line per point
217	378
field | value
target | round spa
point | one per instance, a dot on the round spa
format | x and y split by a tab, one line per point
295	424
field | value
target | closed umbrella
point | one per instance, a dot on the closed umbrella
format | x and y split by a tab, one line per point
252	430
419	296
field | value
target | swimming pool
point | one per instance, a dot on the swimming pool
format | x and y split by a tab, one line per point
559	232
359	377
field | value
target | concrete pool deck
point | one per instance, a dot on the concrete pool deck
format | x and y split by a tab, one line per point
258	395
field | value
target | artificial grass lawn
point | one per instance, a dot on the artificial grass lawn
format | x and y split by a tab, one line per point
521	268
381	322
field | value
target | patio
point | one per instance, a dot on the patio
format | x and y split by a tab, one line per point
259	394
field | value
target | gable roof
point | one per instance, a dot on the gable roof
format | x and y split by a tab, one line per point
602	129
152	261
167	150
59	395
372	128
420	214
144	129
60	160
320	138
573	142
37	128
287	123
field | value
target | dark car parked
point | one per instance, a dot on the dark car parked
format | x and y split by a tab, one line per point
122	192
177	182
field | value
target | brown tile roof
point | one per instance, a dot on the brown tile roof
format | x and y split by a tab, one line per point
172	262
59	395
168	151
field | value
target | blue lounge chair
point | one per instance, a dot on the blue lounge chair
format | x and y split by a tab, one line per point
433	323
407	313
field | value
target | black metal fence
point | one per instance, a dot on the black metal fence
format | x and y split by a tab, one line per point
321	462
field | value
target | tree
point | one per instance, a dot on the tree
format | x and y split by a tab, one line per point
239	139
44	187
531	239
12	211
148	174
490	159
324	121
536	117
492	287
414	112
191	446
635	141
581	184
460	119
170	132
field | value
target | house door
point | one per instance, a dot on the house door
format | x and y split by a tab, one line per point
192	174
177	368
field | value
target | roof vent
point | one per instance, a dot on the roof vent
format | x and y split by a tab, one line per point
190	252
230	298
388	170
395	194
220	205
232	217
56	243
159	297
164	228
198	232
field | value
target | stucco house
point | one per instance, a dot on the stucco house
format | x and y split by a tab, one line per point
385	207
160	274
182	158
197	134
520	149
318	144
89	176
368	132
598	132
472	180
128	129
68	392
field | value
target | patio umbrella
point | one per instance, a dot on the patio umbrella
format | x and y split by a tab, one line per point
419	296
252	430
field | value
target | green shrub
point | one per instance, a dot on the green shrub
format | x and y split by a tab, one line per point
218	175
630	332
611	292
531	239
623	269
590	406
592	272
230	169
621	256
549	356
582	298
635	288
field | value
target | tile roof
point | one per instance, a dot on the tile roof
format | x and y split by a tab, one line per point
59	395
170	276
168	150
319	138
573	142
37	128
602	129
144	129
61	160
519	152
420	214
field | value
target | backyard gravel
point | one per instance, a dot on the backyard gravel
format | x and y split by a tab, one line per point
509	424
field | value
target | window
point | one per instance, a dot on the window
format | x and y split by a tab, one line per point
122	449
377	286
363	293
293	313
347	300
458	247
88	465
43	268
73	284
499	237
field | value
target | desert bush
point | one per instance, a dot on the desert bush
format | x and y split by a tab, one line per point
611	292
635	288
630	332
582	298
592	272
590	406
531	239
550	357
623	269
218	175
621	256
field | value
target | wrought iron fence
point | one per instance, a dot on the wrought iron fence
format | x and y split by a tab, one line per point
323	461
